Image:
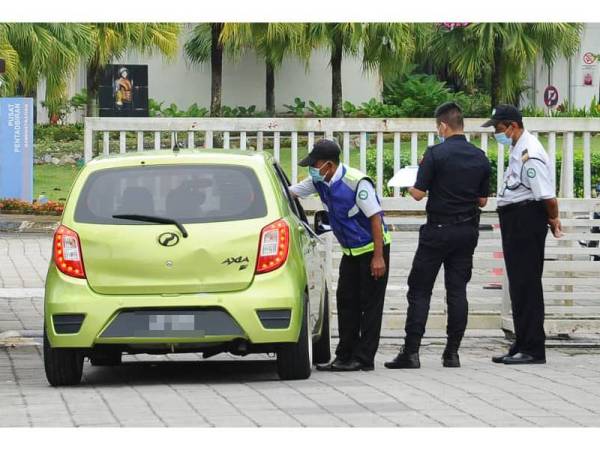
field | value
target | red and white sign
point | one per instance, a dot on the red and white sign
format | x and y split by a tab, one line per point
589	58
550	96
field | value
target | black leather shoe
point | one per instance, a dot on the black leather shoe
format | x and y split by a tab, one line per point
404	360
330	365
500	358
450	359
523	358
352	366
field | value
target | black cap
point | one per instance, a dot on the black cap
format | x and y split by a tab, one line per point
323	149
504	112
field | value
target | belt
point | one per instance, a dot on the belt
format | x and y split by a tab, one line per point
435	219
513	206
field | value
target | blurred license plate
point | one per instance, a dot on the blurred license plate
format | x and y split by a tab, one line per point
171	322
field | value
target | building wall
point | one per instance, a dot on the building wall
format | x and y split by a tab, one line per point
244	80
567	74
179	82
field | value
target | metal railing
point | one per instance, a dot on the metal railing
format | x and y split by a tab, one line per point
355	135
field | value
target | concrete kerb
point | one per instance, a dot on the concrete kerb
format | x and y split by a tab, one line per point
17	223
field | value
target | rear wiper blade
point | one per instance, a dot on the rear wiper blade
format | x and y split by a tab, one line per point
153	219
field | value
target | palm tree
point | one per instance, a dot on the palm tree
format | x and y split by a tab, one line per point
11	61
272	42
502	52
385	47
43	51
113	40
205	44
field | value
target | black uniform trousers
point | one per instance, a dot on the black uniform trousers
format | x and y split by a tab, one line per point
360	300
453	246
524	229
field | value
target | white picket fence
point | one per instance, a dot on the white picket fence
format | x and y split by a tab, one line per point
571	279
267	133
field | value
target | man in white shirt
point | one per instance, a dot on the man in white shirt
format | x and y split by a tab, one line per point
527	205
356	219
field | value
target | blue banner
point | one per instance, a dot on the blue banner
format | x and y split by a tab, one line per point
16	148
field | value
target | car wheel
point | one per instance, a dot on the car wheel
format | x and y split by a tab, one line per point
64	366
294	360
106	358
322	348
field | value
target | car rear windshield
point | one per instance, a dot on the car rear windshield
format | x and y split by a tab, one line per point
187	193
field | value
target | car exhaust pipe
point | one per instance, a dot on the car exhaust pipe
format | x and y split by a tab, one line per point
239	347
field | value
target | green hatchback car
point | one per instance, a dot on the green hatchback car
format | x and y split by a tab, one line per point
184	251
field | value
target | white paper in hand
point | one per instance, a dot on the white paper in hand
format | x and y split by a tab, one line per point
405	177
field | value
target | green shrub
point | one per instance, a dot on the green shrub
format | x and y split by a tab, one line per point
238	111
388	167
156	109
476	104
297	108
58	133
564	110
374	108
319	110
417	95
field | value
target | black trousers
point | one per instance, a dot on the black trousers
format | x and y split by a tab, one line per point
453	246
360	300
524	231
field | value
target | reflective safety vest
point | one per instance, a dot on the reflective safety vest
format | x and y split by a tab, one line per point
348	223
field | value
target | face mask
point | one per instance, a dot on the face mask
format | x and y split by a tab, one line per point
315	174
503	139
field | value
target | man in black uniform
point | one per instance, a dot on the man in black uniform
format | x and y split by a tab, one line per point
456	174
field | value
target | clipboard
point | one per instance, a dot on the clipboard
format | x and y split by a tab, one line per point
405	177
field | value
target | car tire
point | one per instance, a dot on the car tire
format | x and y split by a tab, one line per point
108	358
322	348
294	359
63	366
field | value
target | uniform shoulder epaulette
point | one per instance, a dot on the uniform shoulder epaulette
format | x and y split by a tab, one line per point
524	155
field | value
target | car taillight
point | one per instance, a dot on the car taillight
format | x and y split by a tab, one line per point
67	252
273	247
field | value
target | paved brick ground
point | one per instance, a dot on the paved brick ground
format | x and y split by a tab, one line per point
184	390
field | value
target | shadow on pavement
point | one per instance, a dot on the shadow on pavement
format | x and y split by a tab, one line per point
180	372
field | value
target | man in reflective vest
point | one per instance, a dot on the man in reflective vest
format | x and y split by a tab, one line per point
356	219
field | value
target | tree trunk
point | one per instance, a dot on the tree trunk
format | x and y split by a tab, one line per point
216	68
497	73
336	80
270	89
91	86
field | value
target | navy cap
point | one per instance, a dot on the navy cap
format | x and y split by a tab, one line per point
323	149
504	112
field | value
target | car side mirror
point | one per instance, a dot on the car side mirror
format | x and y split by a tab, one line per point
322	222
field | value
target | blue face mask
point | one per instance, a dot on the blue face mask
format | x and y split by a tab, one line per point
315	174
503	139
441	139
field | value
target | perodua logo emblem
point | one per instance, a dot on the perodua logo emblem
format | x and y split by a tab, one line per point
168	239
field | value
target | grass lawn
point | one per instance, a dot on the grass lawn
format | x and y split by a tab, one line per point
55	181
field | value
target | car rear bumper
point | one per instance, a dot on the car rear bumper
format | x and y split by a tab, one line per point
218	317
